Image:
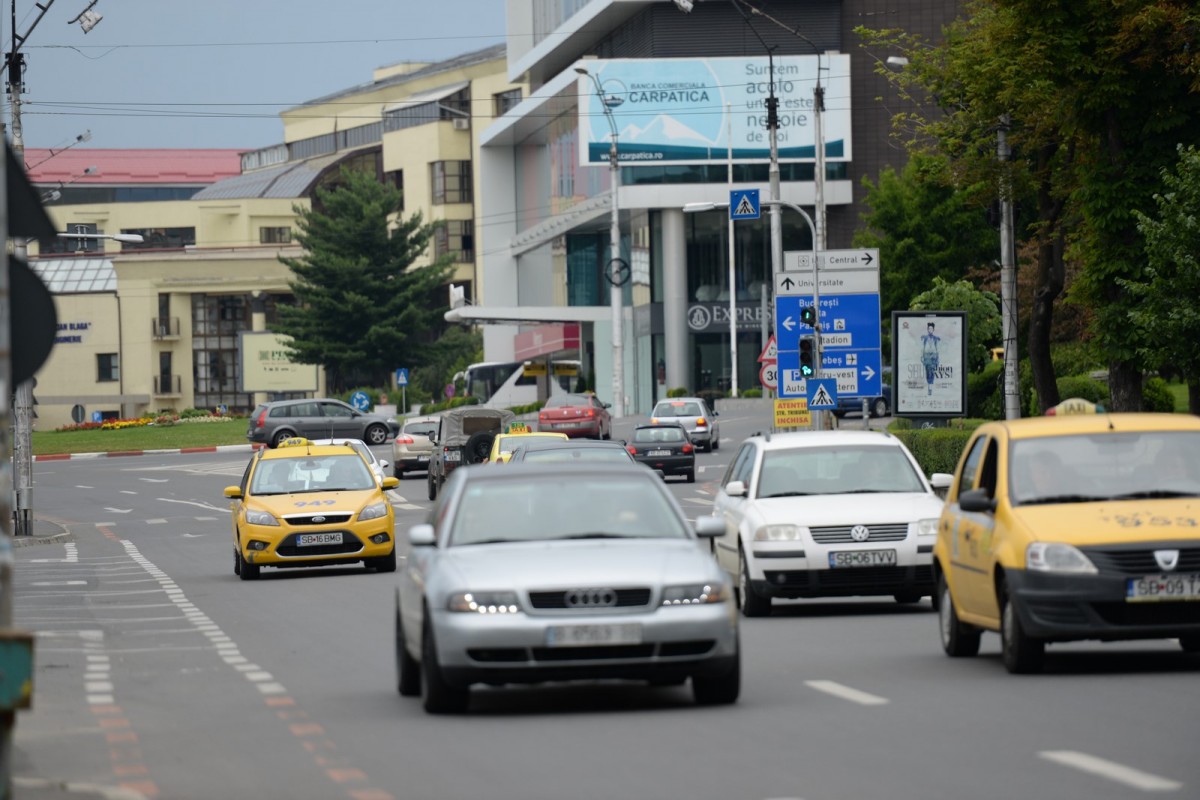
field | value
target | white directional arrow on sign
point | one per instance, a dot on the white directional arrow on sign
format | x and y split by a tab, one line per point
789	324
868	373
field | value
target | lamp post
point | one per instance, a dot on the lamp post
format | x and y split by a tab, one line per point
613	273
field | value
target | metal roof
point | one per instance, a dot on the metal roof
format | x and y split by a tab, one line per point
76	275
428	96
288	181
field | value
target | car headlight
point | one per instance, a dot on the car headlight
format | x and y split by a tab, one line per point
927	527
695	594
373	511
777	533
1055	557
260	518
484	602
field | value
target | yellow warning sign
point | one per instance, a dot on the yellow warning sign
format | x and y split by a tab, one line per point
535	369
792	413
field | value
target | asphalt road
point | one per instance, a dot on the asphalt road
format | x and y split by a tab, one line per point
159	670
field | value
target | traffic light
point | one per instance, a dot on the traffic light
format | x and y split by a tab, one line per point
808	315
808	356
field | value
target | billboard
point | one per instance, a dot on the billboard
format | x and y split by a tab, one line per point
265	366
692	110
929	363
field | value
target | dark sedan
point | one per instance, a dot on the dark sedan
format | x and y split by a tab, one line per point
666	448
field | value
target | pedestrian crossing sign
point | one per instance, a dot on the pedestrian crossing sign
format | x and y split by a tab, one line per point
743	204
822	394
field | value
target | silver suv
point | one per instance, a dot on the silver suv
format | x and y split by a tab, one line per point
317	418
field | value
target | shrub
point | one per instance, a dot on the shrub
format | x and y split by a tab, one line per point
1156	395
984	391
188	413
1083	386
937	449
453	402
755	392
528	408
678	391
711	396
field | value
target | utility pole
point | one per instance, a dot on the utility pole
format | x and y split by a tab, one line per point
1008	277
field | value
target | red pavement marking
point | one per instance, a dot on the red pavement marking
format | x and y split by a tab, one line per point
212	449
54	457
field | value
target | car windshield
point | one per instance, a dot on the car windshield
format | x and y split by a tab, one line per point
837	470
331	473
602	455
560	400
678	409
666	433
564	507
1104	466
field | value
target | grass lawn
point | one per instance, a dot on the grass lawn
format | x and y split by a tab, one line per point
151	437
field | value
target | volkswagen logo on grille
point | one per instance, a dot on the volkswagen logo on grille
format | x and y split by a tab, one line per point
860	533
590	598
318	519
1167	560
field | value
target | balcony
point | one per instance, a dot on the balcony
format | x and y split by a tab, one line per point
164	328
168	386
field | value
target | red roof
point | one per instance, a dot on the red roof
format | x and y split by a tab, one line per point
123	167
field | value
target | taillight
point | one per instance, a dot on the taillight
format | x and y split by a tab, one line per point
591	412
700	423
262	419
632	450
687	448
404	438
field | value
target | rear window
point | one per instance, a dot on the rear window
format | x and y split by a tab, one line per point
421	428
472	425
560	400
678	410
603	455
664	434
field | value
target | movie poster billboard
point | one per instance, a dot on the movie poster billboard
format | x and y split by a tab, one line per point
929	363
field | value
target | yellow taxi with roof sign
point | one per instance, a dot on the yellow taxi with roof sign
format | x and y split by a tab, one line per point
309	505
1079	525
504	443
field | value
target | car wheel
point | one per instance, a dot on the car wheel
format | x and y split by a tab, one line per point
958	640
398	472
438	696
479	447
237	562
280	436
375	434
248	571
691	476
432	486
1190	643
716	441
384	563
408	671
1022	654
713	690
753	604
879	408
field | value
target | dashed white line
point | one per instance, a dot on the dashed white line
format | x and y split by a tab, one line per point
1111	770
156	522
847	693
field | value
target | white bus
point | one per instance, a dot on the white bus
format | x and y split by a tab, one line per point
503	384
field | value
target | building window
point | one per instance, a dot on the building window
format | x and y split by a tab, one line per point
396	179
451	181
108	367
161	238
456	238
503	102
280	235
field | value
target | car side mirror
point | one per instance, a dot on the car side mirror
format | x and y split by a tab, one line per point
390	481
421	535
233	492
941	480
384	464
976	500
709	527
607	405
735	489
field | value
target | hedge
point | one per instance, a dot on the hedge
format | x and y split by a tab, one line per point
936	449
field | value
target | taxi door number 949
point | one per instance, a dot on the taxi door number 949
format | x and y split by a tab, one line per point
1163	587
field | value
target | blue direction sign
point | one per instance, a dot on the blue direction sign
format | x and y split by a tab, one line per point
360	401
822	394
743	204
850	341
402	376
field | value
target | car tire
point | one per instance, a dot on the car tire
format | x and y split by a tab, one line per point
248	571
1190	643
398	472
432	486
408	670
691	476
719	690
375	434
958	639
478	447
879	408
438	696
383	563
716	441
237	562
1022	654
753	604
280	436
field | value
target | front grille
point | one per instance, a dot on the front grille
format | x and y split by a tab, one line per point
518	655
850	581
1142	614
350	544
597	653
1057	613
840	534
312	519
497	655
697	648
1139	559
557	599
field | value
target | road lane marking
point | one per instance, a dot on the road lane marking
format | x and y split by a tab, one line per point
159	521
847	693
1111	770
59	583
193	503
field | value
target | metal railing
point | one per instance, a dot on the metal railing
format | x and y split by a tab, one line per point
168	385
164	327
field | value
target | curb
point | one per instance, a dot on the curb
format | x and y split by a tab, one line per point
105	792
221	448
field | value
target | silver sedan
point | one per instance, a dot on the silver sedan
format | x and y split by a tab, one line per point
566	572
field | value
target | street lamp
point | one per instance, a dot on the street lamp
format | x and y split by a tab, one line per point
615	265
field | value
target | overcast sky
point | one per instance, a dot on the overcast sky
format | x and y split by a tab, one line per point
216	73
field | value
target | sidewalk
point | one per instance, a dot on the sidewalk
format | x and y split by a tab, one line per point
44	532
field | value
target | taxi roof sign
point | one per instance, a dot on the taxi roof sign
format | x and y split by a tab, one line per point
1074	405
294	441
519	427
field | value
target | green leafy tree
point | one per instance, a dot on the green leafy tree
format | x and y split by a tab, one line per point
362	307
924	227
983	315
1170	327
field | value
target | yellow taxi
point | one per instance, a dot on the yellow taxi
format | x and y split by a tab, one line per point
308	505
504	443
1077	525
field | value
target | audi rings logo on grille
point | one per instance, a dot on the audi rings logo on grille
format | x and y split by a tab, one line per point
590	598
317	520
860	533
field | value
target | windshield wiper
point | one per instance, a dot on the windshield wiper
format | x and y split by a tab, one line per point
596	536
497	540
1153	493
787	494
1063	498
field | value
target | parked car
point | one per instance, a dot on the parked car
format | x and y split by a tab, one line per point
272	423
827	514
1071	527
576	415
694	414
412	447
666	448
537	573
464	436
378	466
